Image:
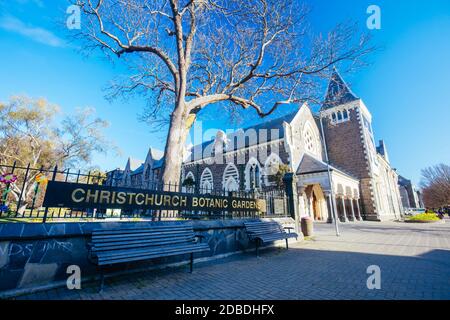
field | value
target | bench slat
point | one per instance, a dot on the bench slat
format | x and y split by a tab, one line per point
141	237
110	262
149	243
133	244
143	255
147	233
267	231
140	229
137	252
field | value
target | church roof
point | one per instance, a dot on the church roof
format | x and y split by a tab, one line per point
234	137
156	154
403	181
310	164
158	164
134	163
140	169
274	123
338	92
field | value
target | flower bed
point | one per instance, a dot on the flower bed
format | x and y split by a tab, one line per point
424	218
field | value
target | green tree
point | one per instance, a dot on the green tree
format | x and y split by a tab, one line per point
95	176
28	135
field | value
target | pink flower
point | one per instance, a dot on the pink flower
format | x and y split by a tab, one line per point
8	178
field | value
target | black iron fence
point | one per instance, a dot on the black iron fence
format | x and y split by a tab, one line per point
23	189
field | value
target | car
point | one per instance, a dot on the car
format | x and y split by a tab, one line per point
414	211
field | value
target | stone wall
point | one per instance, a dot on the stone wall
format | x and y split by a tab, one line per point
347	150
217	169
36	255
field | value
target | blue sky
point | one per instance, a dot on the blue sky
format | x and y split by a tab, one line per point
406	87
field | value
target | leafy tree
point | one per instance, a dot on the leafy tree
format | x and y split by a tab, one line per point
279	175
95	176
28	135
188	182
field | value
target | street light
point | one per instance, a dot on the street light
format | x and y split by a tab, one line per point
333	211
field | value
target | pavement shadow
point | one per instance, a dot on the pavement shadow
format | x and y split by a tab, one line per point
280	274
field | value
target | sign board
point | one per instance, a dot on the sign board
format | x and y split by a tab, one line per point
278	206
86	196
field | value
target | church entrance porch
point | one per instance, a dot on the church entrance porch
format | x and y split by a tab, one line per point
322	189
314	203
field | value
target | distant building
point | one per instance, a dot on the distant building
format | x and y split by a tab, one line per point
138	173
114	177
410	195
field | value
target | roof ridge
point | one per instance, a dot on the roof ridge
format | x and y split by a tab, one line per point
292	113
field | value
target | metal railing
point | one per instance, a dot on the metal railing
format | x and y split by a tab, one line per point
22	199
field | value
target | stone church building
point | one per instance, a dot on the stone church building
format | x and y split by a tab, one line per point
359	182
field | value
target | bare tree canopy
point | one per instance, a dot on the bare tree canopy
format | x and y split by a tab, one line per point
188	54
436	186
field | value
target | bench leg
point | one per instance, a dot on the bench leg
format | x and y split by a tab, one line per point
287	246
102	283
192	263
257	246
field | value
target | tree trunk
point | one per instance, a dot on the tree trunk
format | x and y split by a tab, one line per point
176	139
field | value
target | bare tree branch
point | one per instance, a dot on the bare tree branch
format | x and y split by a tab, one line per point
188	54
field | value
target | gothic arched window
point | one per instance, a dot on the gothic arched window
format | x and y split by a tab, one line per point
230	180
253	174
189	182
345	114
206	181
147	172
310	140
334	117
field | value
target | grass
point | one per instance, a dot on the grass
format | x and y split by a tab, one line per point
425	217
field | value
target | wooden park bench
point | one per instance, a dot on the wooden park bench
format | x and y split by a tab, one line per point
267	231
114	246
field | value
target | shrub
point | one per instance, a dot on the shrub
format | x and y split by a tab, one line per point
424	217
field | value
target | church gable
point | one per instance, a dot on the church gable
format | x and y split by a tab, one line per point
303	135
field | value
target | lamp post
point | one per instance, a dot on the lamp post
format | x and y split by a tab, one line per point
333	208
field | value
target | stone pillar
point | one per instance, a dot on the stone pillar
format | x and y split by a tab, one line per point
359	210
329	206
353	210
301	202
290	183
336	216
310	207
343	209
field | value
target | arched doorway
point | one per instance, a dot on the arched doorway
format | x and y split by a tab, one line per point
317	205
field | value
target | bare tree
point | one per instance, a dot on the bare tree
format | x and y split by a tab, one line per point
436	186
189	54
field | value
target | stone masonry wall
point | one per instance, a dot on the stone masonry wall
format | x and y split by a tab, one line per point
34	255
218	169
347	151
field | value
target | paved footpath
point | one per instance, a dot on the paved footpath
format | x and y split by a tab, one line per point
414	260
